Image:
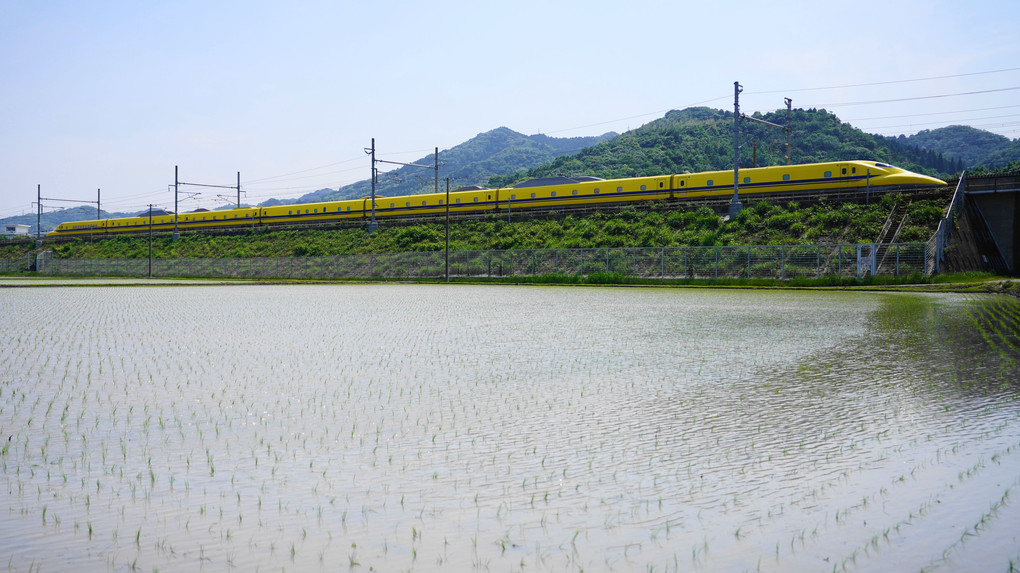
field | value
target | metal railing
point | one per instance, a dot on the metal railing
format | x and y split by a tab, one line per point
780	262
939	240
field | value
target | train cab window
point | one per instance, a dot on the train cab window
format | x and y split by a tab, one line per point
828	173
683	183
844	171
786	176
853	170
747	179
711	182
644	188
532	195
488	198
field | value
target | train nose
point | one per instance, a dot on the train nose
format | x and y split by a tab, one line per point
909	178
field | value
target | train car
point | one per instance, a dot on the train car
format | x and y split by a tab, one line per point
323	212
840	175
237	218
562	191
535	194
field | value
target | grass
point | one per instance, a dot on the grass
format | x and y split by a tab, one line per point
655	225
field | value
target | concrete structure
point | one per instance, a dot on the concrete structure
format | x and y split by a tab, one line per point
11	231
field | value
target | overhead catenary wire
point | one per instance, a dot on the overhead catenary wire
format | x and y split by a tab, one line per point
268	186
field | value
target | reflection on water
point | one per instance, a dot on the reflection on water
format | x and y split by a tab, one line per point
428	428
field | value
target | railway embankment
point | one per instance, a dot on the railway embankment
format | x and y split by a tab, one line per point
656	225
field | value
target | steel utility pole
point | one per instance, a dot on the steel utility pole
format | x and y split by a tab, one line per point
150	240
789	120
38	215
447	221
375	174
177	234
735	206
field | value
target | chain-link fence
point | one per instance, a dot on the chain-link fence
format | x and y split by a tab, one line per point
771	262
18	265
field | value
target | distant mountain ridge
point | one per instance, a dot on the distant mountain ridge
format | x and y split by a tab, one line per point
689	140
971	146
501	151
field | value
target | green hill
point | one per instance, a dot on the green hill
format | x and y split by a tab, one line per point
967	146
701	139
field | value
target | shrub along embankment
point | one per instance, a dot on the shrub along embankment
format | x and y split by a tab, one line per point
654	226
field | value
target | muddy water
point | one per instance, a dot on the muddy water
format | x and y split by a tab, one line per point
500	428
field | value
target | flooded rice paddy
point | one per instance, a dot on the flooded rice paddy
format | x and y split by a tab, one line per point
385	428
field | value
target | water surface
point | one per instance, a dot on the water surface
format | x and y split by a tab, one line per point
415	427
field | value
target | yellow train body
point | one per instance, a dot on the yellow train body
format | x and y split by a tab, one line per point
841	175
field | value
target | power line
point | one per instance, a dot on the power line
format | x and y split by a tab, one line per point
934	113
916	98
886	82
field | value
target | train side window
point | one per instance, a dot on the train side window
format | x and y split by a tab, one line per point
828	173
711	182
318	210
476	199
458	201
786	177
489	198
392	205
574	192
682	183
424	203
853	170
348	207
644	188
596	190
290	212
619	189
532	195
440	202
408	204
661	184
747	179
306	211
553	194
513	197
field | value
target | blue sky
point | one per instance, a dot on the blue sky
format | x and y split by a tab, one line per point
112	95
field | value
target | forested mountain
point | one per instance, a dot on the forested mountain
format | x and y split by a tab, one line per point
966	146
501	151
689	140
701	139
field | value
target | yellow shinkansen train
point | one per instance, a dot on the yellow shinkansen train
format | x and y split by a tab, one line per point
537	193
